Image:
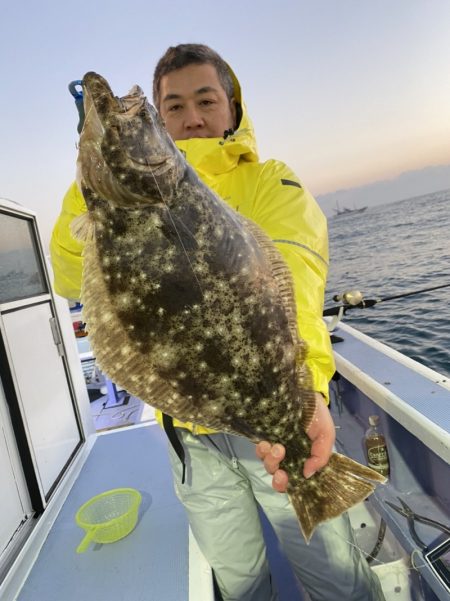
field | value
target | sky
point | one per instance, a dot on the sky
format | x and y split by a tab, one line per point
346	92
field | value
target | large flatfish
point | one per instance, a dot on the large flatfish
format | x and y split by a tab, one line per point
189	306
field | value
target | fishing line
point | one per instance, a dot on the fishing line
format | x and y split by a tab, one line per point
179	237
414	564
176	230
77	144
387	298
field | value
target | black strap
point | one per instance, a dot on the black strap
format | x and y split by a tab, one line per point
290	182
174	441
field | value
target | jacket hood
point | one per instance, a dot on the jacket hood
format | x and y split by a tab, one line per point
214	156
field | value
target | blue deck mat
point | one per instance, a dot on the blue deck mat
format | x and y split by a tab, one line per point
151	563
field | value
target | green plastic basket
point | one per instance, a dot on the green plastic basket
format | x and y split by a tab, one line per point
108	517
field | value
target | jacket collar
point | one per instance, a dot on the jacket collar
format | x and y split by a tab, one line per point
213	156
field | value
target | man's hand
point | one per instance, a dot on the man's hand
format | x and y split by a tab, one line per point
322	434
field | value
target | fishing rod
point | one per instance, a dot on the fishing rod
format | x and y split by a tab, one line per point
353	299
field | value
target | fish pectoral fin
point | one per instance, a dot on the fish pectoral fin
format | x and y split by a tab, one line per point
341	484
82	227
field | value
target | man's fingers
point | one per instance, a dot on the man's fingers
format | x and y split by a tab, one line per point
312	464
280	481
322	434
321	450
273	458
262	448
271	455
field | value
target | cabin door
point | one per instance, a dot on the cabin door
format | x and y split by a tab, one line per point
39	424
43	390
15	504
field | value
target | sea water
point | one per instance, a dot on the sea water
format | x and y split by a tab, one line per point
394	249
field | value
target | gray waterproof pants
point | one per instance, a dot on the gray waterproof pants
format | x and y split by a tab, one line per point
224	479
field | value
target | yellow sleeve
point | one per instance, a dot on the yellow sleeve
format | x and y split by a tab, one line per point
65	251
289	214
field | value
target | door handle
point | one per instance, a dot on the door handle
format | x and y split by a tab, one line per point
56	336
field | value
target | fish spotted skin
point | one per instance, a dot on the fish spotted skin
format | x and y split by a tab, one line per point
189	306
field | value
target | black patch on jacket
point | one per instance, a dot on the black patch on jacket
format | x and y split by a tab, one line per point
290	182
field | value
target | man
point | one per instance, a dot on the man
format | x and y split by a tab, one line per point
199	99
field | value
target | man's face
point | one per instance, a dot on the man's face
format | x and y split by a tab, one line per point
194	104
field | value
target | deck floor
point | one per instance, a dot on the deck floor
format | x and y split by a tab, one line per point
127	410
151	563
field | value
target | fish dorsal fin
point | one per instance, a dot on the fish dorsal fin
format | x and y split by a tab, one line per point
280	272
82	227
282	275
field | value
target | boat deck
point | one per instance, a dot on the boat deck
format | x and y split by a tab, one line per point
159	560
151	563
417	397
413	403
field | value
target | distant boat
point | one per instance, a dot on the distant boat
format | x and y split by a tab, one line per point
346	211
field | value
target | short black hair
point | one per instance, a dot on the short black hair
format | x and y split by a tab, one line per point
177	57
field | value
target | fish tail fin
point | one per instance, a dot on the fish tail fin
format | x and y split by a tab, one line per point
341	484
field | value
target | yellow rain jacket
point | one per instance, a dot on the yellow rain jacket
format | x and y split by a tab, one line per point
270	194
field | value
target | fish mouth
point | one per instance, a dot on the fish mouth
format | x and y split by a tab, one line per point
157	164
125	152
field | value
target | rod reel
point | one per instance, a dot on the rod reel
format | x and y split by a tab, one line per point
354	299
